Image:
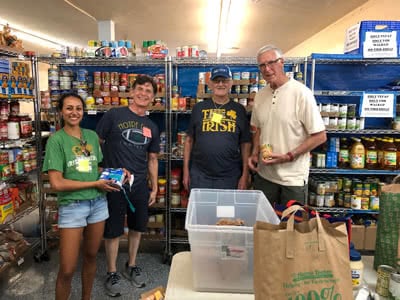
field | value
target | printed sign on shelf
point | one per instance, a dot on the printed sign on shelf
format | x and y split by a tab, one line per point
352	39
380	44
378	105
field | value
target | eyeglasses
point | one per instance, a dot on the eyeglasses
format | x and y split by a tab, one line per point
269	64
220	80
84	150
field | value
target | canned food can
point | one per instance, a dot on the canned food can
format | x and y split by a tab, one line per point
343	110
333	122
351	123
319	200
194	51
326	108
325	120
236	75
185	50
329	200
321	188
244	89
237	89
374	202
178	52
335	108
355	202
383	274
364	202
347	200
351	110
202	77
342	123
340	199
181	138
312	198
245	75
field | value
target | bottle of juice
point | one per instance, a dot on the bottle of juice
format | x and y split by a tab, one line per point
371	154
357	155
390	155
343	159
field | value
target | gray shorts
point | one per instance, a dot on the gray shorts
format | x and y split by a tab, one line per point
280	194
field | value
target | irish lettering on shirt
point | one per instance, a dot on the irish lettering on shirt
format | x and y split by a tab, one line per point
226	122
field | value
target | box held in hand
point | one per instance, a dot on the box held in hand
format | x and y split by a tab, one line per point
117	175
222	255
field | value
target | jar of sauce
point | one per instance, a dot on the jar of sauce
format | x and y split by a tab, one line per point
25	125
175	180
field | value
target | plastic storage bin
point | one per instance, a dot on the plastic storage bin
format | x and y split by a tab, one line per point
222	256
355	42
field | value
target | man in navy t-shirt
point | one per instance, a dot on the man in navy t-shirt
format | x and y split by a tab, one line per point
218	139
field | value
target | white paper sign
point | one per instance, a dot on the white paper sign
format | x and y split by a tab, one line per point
380	44
377	105
225	211
352	39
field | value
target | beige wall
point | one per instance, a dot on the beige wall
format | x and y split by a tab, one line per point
331	39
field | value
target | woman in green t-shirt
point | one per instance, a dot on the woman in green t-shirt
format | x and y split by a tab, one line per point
71	160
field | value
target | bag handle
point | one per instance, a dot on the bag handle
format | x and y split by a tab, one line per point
290	234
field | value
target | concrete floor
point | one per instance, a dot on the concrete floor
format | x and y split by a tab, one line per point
36	281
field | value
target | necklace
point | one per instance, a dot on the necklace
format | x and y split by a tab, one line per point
220	105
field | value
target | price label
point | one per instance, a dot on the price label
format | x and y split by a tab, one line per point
378	105
92	112
70	60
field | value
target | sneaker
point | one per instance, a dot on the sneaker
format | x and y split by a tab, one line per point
135	275
113	285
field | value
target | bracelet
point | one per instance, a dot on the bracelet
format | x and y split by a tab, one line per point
291	156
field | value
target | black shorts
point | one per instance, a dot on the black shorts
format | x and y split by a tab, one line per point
118	207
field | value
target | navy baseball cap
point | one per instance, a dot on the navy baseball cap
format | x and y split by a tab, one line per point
221	71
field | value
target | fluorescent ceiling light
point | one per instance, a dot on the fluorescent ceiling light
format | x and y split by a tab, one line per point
36	37
224	21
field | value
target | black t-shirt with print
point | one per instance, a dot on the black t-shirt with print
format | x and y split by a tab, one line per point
217	133
127	140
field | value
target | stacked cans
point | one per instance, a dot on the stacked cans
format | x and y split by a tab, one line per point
344	192
54	85
81	84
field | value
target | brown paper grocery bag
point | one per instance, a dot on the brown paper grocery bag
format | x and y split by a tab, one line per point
307	260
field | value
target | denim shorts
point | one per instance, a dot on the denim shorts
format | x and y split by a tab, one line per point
80	213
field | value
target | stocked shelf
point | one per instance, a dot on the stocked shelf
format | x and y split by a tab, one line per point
104	108
363	131
228	61
17	143
24	210
351	171
178	209
179	240
343	210
11	52
102	61
239	96
349	59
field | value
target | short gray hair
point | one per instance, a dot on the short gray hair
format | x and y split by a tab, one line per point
269	47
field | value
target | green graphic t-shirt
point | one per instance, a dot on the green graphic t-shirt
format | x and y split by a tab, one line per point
64	153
